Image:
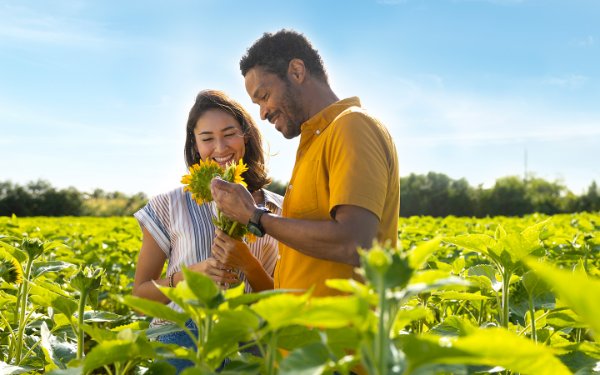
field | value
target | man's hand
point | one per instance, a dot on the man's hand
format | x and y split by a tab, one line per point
233	200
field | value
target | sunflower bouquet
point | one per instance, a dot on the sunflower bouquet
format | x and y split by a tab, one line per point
198	180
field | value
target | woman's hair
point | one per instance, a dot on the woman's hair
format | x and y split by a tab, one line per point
256	175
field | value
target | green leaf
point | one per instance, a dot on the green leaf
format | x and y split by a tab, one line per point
40	268
405	316
280	310
452	295
154	309
7	369
250	298
418	256
485	276
491	347
161	368
113	351
577	290
296	336
308	360
101	317
59	352
385	267
231	328
203	288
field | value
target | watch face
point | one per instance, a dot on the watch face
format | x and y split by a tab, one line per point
255	230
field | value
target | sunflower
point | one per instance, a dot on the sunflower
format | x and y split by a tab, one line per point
233	173
198	180
11	271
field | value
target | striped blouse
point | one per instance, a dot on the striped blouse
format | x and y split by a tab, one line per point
185	231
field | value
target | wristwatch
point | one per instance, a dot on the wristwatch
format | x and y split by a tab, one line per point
254	225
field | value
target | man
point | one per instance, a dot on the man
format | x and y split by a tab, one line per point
344	191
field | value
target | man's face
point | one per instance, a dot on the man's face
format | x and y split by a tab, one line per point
278	99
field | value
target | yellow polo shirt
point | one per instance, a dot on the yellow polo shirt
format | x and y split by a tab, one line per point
345	157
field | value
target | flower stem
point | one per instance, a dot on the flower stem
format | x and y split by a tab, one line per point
22	310
80	331
505	297
230	233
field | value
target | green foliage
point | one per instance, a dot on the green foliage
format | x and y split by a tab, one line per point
432	306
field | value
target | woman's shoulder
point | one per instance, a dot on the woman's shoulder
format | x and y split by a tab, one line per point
273	199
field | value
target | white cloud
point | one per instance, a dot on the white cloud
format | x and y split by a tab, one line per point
587	41
25	25
571	81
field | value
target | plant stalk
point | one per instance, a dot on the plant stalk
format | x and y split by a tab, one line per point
80	331
505	297
22	310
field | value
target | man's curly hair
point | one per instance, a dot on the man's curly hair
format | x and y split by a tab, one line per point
274	51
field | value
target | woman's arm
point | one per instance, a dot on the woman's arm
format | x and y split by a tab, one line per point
150	264
236	254
149	267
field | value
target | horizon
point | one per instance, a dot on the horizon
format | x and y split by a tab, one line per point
96	95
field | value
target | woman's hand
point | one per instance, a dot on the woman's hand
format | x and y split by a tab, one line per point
219	272
230	252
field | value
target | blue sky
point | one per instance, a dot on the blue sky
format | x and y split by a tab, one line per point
96	94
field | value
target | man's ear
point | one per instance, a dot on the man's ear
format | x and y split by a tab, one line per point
296	70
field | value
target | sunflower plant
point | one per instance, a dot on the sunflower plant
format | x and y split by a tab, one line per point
197	182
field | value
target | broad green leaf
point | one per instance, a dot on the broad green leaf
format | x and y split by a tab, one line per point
100	317
250	298
576	290
385	267
59	351
113	351
491	347
296	336
67	371
280	310
405	316
454	326
203	288
47	298
40	268
332	312
6	369
564	318
418	256
154	309
231	328
479	243
160	368
308	360
354	287
453	295
485	275
533	284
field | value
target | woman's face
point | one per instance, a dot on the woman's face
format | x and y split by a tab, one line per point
219	137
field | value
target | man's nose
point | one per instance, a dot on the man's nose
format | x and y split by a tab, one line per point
264	113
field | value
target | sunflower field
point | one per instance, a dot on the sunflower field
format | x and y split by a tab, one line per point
458	296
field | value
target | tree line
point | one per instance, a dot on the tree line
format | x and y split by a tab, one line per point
40	198
433	194
436	194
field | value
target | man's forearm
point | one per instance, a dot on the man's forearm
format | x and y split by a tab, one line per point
334	240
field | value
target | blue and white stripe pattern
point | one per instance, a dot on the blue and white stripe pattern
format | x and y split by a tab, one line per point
184	231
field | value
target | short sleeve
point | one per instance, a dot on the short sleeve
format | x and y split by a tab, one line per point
155	217
359	163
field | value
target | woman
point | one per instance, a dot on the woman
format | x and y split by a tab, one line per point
177	229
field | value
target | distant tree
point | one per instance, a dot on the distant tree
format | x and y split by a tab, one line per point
545	197
591	200
277	187
508	197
